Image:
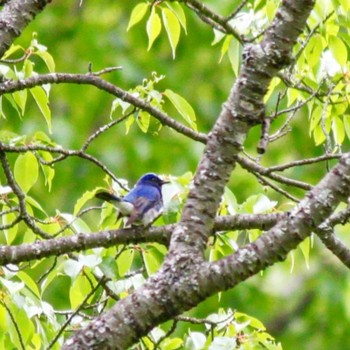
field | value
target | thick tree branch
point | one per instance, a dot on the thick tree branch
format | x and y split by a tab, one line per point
14	17
169	292
275	244
177	285
135	235
243	109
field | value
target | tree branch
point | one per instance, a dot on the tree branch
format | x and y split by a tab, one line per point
134	235
275	244
92	79
177	286
14	17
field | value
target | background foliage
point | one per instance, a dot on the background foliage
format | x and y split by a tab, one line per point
303	301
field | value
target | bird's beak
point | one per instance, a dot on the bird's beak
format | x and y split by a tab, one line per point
164	182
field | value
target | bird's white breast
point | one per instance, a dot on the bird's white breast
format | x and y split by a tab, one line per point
151	215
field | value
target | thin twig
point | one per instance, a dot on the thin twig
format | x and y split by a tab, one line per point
302	162
236	10
69	319
276	188
19	334
103	129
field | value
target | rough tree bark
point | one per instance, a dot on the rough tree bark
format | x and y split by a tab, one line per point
180	283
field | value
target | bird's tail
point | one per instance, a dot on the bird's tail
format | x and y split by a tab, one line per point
106	196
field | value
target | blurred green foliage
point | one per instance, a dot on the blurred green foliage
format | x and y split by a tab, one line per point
305	308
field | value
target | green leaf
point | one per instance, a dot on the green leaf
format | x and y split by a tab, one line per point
305	246
28	68
109	267
12	50
153	27
26	171
79	290
52	276
124	261
319	135
13	103
42	101
183	107
143	120
313	50
338	130
179	13
30	200
172	27
346	120
10	233
20	98
48	59
315	118
29	282
235	55
48	171
225	46
153	258
77	224
338	49
172	343
137	14
82	200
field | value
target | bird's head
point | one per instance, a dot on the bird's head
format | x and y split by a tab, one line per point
151	179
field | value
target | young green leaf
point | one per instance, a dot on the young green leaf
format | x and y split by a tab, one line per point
29	282
183	107
225	46
42	101
338	130
82	200
20	98
172	27
153	27
137	14
48	59
179	13
143	120
338	49
26	171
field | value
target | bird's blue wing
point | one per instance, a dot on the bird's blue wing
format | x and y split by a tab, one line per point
147	203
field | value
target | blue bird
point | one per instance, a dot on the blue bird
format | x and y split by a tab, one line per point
143	204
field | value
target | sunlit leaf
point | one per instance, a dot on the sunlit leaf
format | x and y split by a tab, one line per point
137	14
153	27
82	200
42	101
172	27
26	171
29	282
20	98
183	107
338	49
48	59
338	130
179	12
